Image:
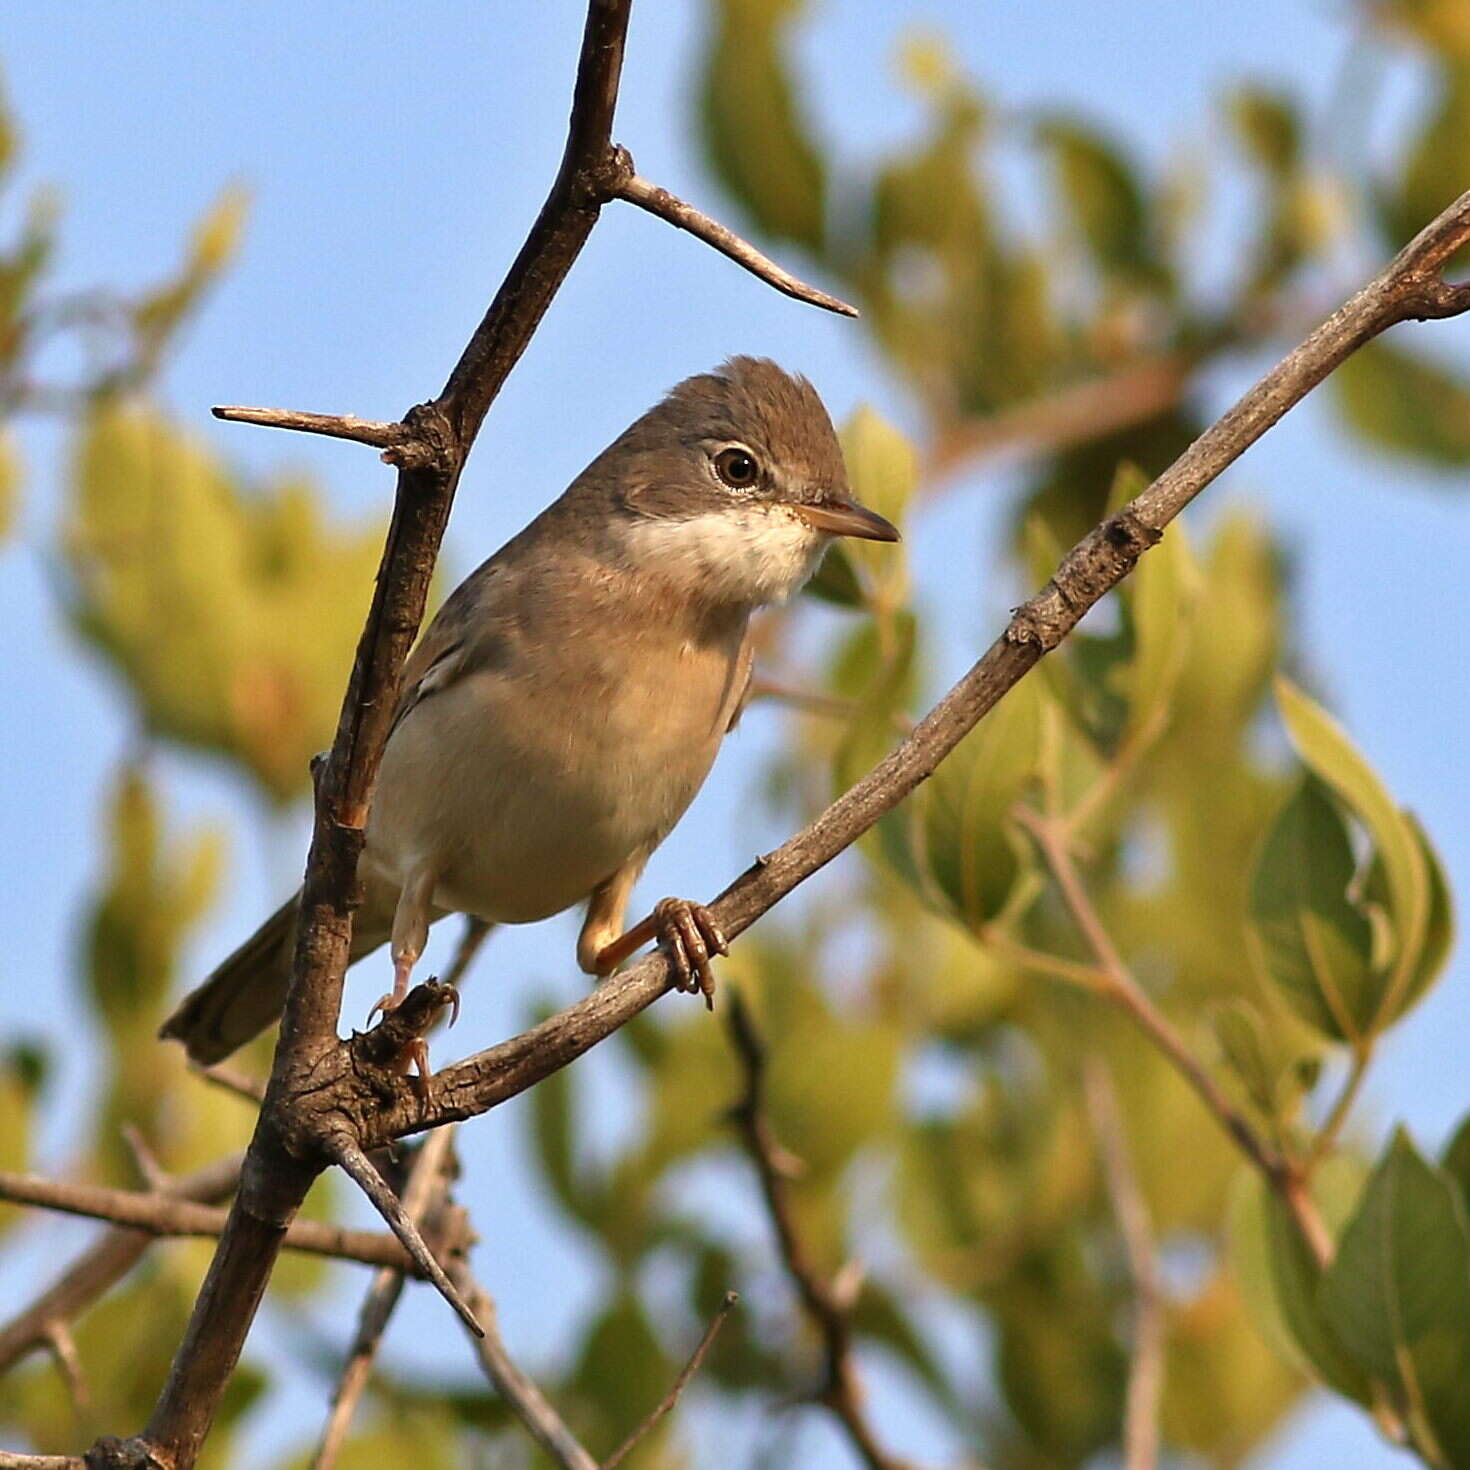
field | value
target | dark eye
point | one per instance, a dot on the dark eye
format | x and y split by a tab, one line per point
737	468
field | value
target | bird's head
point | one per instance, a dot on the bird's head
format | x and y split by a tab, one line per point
733	486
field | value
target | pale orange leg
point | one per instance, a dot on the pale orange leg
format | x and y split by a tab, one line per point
410	934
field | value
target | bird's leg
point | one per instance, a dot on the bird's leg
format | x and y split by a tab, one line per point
410	934
606	910
690	935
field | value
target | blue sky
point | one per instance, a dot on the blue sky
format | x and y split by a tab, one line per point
396	156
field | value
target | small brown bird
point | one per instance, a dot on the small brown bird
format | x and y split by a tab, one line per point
567	702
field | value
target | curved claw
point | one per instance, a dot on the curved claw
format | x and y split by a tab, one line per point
689	933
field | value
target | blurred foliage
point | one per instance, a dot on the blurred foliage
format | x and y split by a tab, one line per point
928	1023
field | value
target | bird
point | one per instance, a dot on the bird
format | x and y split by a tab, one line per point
568	700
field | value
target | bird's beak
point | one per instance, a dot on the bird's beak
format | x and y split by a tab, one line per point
843	517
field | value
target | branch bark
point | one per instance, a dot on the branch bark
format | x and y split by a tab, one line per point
828	1303
159	1214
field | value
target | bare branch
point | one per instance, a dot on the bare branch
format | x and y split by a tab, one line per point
828	1303
525	1400
11	1461
427	1184
103	1264
360	1169
696	1360
1146	1368
334	426
152	1173
683	216
169	1215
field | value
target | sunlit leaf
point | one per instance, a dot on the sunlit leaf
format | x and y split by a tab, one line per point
1403	402
1398	1296
1280	1277
1309	939
754	131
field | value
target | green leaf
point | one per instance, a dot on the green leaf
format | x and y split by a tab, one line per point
883	470
1402	402
10	478
1162	603
836	580
1308	938
1398	1296
1279	1275
963	844
755	135
1397	843
1268	126
1101	195
1433	174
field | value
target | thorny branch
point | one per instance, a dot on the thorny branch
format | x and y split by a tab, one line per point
326	1098
828	1303
156	1213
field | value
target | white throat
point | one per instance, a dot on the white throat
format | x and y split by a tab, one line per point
754	554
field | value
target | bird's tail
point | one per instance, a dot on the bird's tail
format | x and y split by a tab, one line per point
247	991
243	996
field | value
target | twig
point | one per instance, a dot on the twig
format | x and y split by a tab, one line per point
813	702
524	1399
1146	1365
11	1461
683	216
671	1398
103	1264
1338	1114
361	1171
68	1362
152	1173
231	1080
169	1215
426	1181
1124	990
827	1303
471	938
334	426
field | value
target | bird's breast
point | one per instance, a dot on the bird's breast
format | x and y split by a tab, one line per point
526	785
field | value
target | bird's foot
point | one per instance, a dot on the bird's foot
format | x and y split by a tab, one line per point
402	969
690	935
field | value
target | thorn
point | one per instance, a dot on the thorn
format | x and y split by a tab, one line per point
359	1168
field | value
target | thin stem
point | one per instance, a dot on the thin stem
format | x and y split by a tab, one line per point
1352	1085
1091	978
828	1303
1125	991
683	216
525	1400
1146	1364
426	1181
333	425
665	1404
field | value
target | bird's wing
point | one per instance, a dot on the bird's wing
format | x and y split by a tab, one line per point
457	640
745	673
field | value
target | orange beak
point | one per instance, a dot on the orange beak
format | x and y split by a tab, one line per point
843	517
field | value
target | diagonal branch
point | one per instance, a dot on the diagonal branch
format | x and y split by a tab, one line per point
828	1303
1406	289
361	1171
525	1400
665	1404
427	1184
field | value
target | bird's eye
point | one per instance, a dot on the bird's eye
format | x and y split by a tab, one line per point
737	468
